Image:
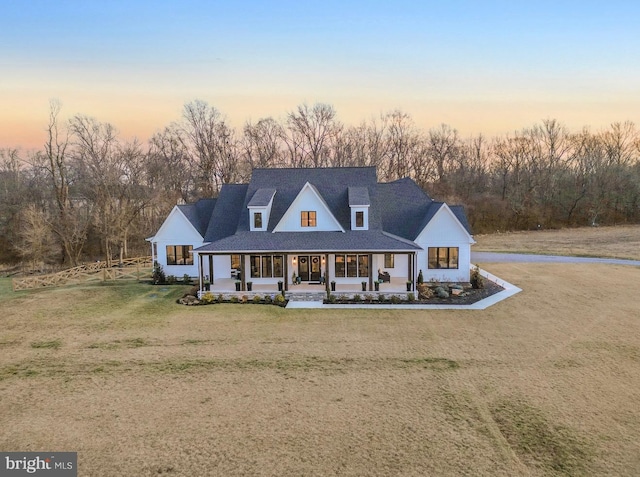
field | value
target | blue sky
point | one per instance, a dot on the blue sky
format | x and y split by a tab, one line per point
482	67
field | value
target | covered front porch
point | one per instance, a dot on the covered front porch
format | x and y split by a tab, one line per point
307	272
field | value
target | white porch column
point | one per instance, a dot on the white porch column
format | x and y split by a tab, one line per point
200	272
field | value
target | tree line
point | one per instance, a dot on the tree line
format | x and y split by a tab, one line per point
88	194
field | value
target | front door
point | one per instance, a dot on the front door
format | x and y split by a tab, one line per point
309	268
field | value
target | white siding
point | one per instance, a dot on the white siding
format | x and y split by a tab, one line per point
177	230
308	200
399	270
365	212
444	230
221	267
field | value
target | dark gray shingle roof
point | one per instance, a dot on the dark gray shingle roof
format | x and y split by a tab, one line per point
358	196
228	210
331	183
261	198
403	206
398	211
349	241
199	213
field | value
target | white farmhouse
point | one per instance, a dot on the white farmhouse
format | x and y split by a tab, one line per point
316	226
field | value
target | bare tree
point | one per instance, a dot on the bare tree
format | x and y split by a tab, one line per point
211	145
114	178
314	129
263	144
442	155
70	223
402	146
169	167
34	232
15	195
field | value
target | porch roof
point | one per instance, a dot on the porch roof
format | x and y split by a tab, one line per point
351	240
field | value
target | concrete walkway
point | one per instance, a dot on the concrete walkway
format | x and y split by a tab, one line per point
495	257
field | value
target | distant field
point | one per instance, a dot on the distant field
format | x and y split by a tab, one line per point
544	383
611	242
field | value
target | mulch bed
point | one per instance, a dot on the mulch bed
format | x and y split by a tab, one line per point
471	296
474	295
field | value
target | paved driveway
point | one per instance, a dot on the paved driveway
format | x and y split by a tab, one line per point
529	258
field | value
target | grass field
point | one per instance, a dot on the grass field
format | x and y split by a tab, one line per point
544	383
612	242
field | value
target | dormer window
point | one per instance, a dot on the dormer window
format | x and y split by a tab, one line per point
260	209
359	204
359	218
308	218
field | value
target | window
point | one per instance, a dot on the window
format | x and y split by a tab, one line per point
443	257
235	262
308	218
266	266
340	266
352	265
257	220
359	219
389	260
277	266
267	270
179	255
254	260
363	265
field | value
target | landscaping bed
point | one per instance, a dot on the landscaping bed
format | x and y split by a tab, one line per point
208	298
427	294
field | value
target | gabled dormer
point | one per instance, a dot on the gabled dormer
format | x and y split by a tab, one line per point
308	212
260	209
359	204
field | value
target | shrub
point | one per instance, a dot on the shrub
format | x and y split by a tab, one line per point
368	298
172	280
268	299
245	298
280	300
420	277
476	280
411	297
234	299
208	298
220	298
158	277
357	298
331	298
381	298
440	292
186	279
257	299
342	298
395	299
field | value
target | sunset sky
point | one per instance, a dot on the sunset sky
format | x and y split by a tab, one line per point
489	67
